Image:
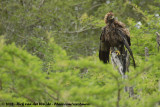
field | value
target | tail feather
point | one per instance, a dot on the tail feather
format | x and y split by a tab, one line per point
126	45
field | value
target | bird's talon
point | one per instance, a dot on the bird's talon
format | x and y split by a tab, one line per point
118	53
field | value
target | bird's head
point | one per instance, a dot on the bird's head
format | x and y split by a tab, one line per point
109	18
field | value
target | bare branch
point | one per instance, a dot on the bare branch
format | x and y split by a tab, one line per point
80	3
158	40
41	4
146	53
118	97
78	31
94	6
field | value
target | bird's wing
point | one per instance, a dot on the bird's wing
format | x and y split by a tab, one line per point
123	35
125	31
104	47
126	34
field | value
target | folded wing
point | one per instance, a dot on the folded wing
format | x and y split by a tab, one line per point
104	48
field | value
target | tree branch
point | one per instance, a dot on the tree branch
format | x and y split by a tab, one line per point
41	4
78	31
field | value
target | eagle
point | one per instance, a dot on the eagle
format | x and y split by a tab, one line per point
114	36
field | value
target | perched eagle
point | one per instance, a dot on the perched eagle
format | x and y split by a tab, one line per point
114	35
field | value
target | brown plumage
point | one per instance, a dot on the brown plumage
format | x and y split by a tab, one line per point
114	35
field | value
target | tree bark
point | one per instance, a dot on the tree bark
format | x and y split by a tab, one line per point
146	53
158	40
117	63
118	97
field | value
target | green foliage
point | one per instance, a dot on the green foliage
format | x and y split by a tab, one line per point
49	52
85	80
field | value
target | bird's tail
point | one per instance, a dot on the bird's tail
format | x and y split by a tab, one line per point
126	45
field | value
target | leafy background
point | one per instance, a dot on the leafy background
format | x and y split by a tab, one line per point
49	52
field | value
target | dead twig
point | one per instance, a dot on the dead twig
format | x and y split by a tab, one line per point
78	31
158	40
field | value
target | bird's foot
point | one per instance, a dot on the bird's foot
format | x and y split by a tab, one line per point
117	52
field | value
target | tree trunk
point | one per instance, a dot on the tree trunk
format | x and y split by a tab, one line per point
146	53
158	40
